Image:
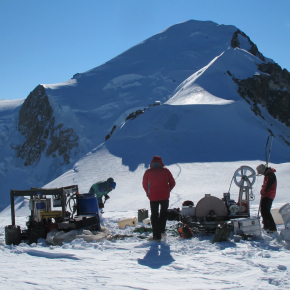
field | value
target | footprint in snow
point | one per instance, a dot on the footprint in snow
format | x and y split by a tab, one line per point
282	267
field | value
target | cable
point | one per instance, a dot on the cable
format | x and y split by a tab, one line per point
69	204
231	183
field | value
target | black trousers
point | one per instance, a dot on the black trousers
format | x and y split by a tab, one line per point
266	204
158	218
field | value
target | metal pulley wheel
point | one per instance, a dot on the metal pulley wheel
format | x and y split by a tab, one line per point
245	176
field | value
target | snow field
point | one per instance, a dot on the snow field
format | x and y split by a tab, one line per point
141	264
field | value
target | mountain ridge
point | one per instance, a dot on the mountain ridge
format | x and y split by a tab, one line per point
191	63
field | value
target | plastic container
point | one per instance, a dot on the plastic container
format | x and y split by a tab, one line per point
88	204
142	214
12	235
276	216
285	213
127	222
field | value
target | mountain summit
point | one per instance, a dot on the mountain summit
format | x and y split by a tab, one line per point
195	92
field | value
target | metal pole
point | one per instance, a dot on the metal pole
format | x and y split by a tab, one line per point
12	208
63	204
267	161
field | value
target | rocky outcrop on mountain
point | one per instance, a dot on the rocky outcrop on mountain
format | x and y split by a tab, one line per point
235	42
133	115
62	140
271	89
41	134
112	131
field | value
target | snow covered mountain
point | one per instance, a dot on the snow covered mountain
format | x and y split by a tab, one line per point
218	98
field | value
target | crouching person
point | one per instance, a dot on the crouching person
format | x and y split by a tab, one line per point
102	188
157	183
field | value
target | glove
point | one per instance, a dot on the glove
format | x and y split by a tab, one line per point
106	197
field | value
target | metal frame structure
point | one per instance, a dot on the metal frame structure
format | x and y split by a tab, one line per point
244	178
42	191
211	211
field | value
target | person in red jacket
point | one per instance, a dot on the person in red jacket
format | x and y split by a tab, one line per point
158	182
268	193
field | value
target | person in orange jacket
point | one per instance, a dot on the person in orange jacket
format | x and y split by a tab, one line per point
268	193
157	183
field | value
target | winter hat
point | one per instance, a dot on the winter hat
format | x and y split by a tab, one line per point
156	159
261	169
113	185
110	180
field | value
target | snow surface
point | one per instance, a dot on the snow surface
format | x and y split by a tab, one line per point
136	263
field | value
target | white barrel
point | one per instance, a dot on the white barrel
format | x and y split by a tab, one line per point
276	216
127	222
285	213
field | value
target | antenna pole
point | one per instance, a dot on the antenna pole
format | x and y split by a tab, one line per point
267	161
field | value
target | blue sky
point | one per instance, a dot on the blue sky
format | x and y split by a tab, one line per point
45	42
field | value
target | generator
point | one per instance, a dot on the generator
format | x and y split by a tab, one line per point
210	212
75	211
